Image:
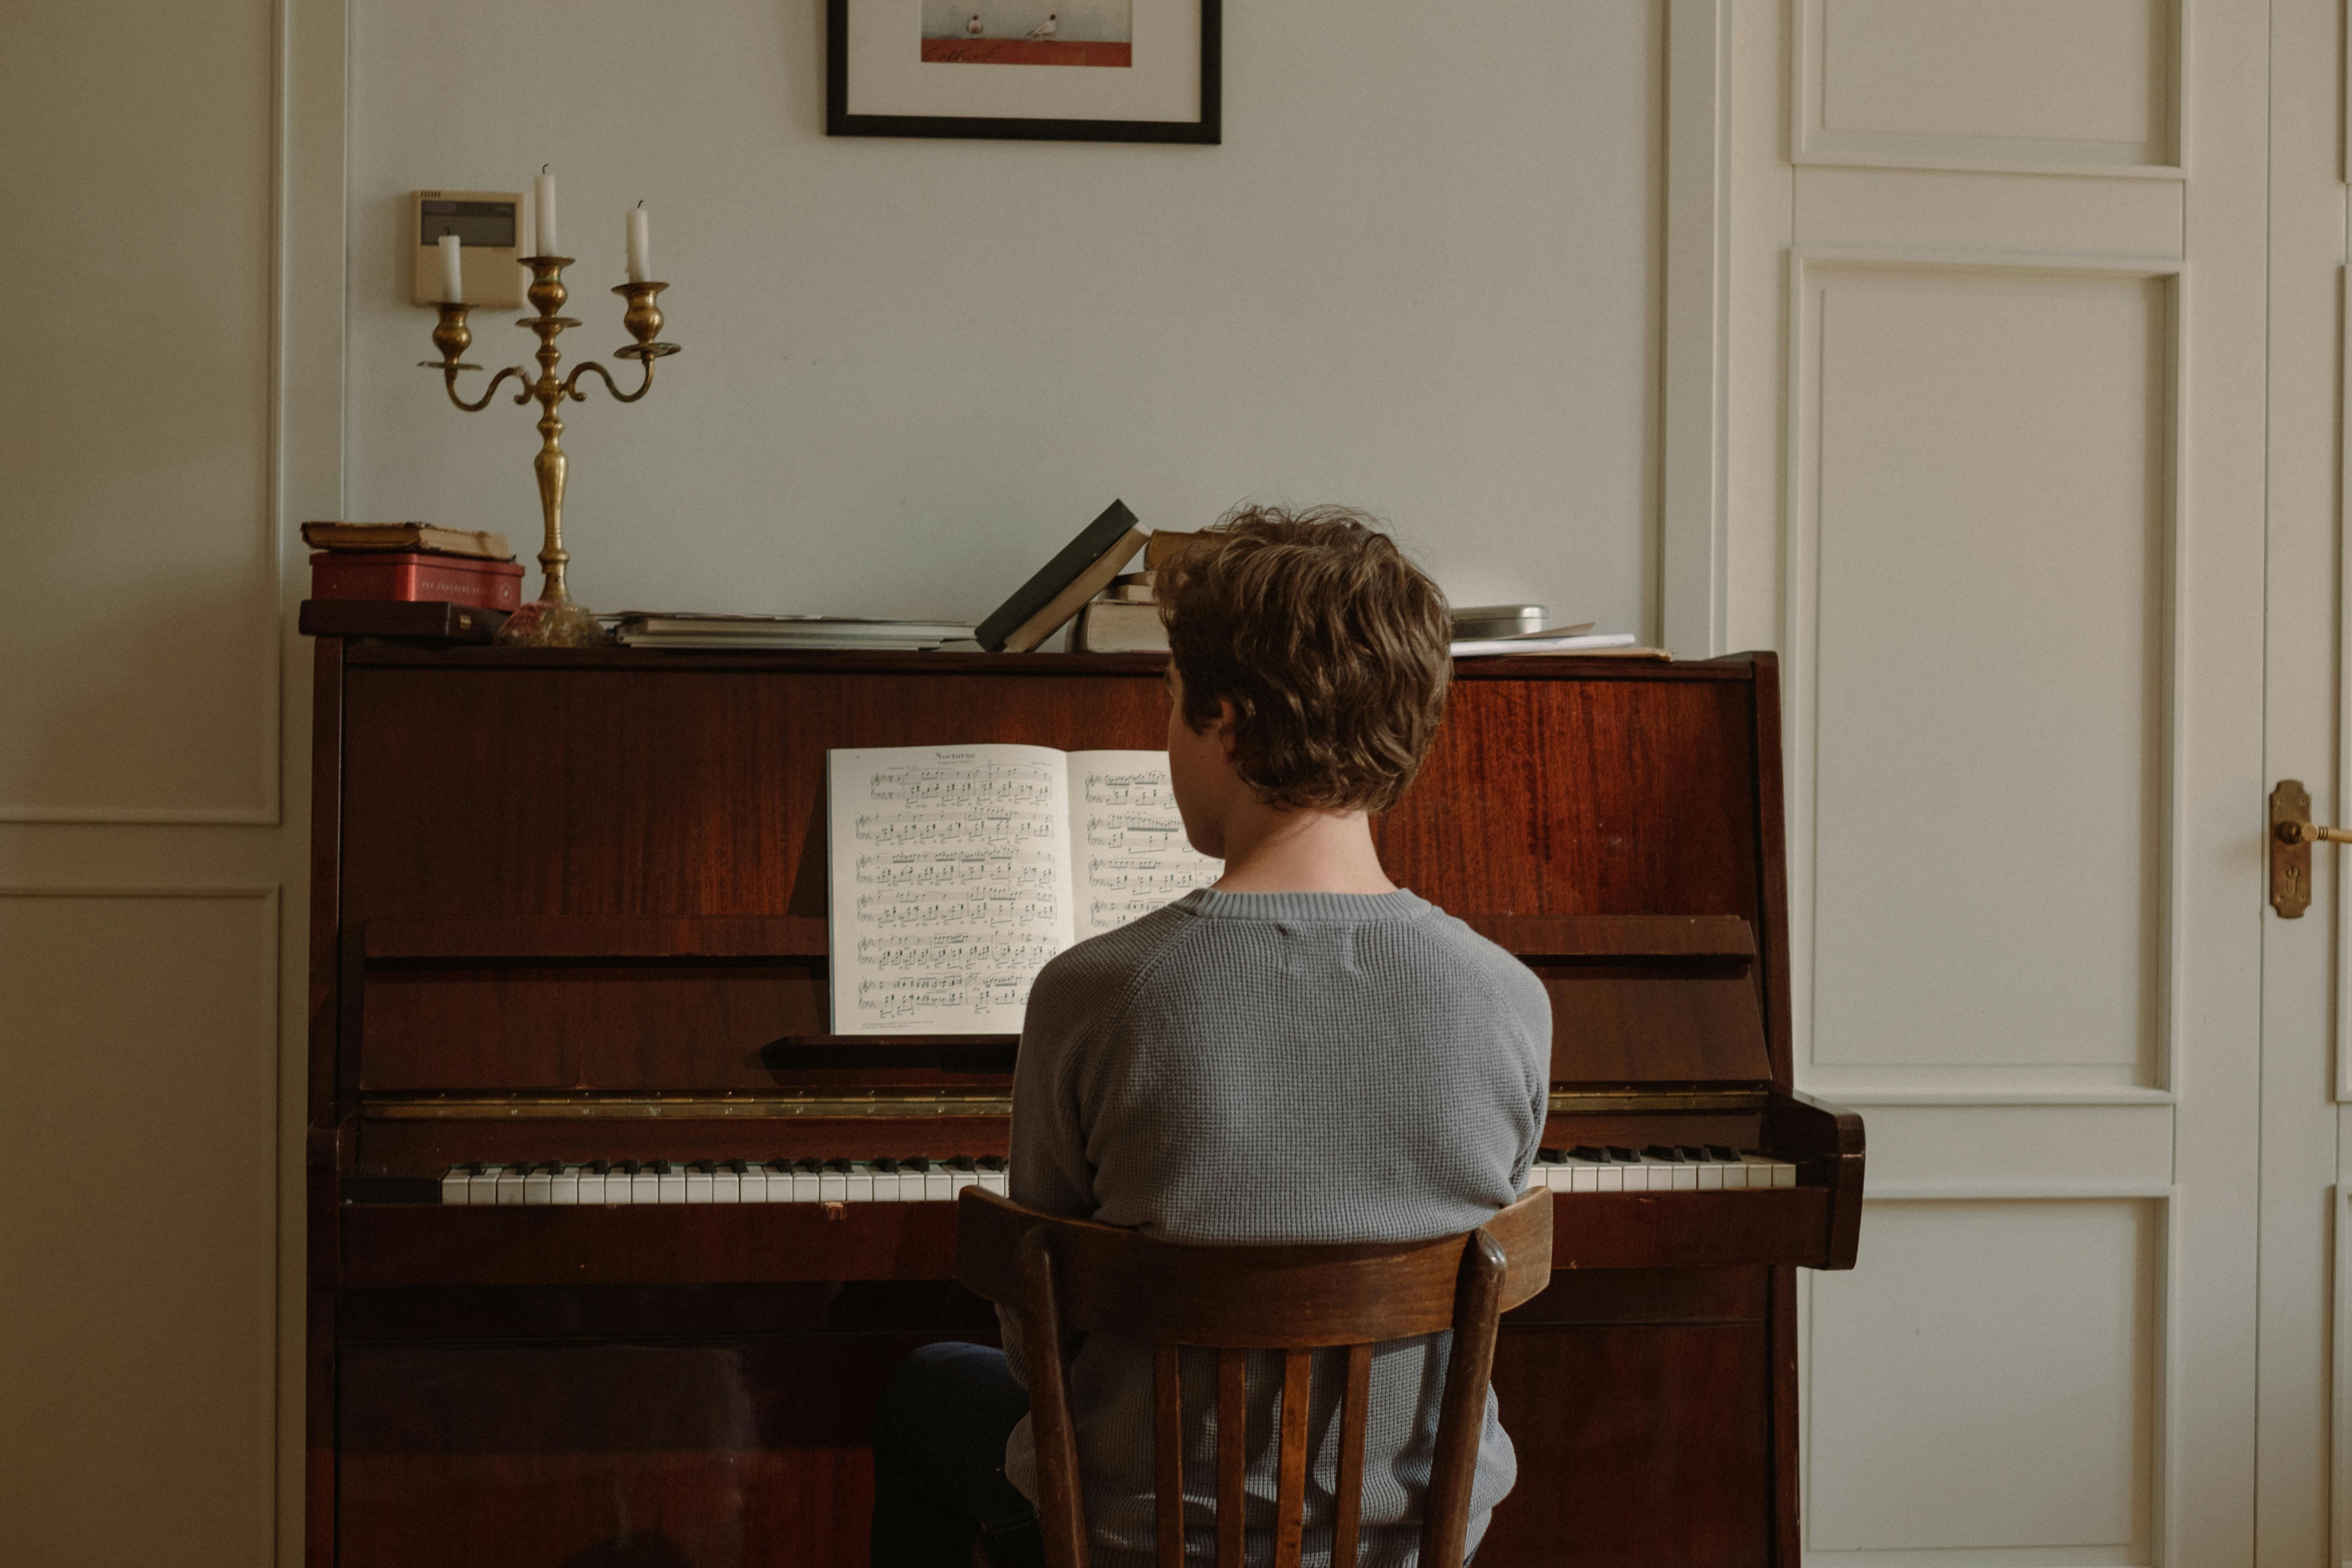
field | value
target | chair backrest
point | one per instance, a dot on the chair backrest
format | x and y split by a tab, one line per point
1062	1274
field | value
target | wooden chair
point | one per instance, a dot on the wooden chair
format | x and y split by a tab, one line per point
1062	1274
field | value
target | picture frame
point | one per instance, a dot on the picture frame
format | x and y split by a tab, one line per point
1077	70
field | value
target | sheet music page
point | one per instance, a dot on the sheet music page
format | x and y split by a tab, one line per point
1127	840
949	876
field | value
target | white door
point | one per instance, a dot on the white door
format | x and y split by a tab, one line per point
1997	469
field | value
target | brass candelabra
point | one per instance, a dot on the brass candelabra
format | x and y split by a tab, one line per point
554	620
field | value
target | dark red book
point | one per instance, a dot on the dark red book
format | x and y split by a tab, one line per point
415	574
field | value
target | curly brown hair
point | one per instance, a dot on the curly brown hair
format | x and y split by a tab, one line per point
1330	644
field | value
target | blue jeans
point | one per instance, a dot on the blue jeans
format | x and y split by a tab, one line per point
938	1462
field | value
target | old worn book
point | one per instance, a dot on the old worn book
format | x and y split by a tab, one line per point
956	872
1113	625
1043	604
1166	546
405	536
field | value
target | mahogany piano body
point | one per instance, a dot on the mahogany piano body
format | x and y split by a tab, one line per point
562	900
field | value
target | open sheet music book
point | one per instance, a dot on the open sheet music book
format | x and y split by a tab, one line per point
955	872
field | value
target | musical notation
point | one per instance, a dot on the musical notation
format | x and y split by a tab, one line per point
956	874
1131	811
955	825
1003	783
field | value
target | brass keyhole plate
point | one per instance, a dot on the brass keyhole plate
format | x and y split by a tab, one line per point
2290	863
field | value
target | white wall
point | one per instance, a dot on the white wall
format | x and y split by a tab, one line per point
1420	276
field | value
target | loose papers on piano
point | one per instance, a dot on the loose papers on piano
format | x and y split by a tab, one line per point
781	633
956	872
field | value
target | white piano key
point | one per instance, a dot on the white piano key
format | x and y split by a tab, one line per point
808	1186
563	1191
699	1184
1584	1178
1783	1174
1609	1178
938	1185
751	1185
832	1186
455	1183
1681	1178
859	1184
539	1187
510	1188
959	1180
673	1185
482	1186
887	1187
644	1186
590	1186
725	1187
996	1182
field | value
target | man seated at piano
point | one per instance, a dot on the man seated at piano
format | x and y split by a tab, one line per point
1303	1052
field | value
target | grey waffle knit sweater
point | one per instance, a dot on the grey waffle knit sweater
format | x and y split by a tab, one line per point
1276	1067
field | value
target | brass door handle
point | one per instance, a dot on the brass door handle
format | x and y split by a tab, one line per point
2293	833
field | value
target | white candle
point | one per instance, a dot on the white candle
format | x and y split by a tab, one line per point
641	267
453	271
543	192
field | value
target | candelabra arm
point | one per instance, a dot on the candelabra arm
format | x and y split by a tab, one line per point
450	377
572	381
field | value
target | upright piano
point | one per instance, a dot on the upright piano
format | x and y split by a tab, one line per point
611	1246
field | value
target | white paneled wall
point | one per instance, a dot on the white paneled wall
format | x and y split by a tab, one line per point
174	198
139	1103
1996	434
1979	496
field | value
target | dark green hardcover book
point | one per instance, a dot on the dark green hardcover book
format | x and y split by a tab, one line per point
1054	576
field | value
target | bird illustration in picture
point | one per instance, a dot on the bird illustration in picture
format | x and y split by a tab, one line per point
971	30
1045	29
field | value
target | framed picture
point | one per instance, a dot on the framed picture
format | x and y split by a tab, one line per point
1056	70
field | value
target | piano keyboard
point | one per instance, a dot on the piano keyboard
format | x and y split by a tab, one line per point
612	1182
1658	1168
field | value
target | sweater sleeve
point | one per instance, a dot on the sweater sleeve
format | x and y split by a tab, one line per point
1049	1169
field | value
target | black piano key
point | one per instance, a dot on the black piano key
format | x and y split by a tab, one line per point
992	1161
838	1162
1659	1151
1721	1152
780	1167
1590	1155
705	1167
1550	1157
476	1169
915	1162
624	1167
1692	1153
598	1167
1623	1155
658	1167
884	1163
548	1168
962	1163
737	1166
807	1164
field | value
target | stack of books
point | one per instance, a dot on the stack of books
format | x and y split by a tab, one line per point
1125	617
1062	586
408	580
782	634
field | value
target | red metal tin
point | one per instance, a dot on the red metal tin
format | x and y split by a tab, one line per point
415	574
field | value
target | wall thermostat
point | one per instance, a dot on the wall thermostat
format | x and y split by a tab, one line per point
488	225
